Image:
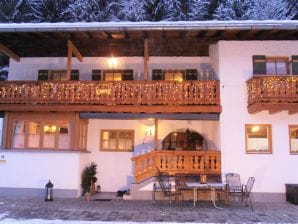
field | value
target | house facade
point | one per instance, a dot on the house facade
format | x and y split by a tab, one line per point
184	98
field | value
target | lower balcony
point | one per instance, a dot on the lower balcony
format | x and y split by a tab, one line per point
273	93
176	162
123	96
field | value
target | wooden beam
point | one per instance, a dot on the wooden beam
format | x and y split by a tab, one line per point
69	58
273	107
9	53
75	50
156	134
146	58
111	108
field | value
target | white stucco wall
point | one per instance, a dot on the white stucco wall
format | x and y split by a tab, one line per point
27	68
235	68
28	169
115	169
1	127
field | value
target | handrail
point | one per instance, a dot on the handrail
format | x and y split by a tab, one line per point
176	162
140	92
272	89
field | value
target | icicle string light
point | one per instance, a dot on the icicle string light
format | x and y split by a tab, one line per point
111	93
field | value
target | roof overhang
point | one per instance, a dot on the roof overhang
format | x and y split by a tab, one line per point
127	38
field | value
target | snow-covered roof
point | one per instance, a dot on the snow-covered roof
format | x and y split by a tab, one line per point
163	25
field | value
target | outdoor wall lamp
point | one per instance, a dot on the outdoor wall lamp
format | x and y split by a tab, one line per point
149	129
49	128
113	62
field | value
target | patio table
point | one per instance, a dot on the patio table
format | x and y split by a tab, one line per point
212	186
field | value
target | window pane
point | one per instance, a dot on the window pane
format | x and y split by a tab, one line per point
121	140
112	144
33	134
49	135
270	67
63	137
169	76
178	76
281	67
19	134
117	76
258	138
294	139
109	77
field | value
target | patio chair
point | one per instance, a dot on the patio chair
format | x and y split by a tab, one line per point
246	196
234	187
165	187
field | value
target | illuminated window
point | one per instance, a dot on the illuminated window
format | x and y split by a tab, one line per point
54	131
293	132
117	140
258	138
118	75
174	75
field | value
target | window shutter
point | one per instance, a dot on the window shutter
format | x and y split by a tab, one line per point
295	64
43	74
157	74
96	74
191	74
127	75
259	64
74	75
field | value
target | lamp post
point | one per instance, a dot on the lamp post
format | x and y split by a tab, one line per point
49	191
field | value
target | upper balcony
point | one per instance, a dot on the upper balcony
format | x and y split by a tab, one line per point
200	96
273	93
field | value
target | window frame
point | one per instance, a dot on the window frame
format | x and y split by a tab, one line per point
189	74
275	60
47	75
131	131
260	65
71	119
269	137
123	74
290	145
41	143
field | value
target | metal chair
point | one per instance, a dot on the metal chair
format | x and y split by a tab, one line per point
246	196
165	186
234	187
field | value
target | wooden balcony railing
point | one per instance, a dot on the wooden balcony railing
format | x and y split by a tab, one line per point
176	162
92	93
273	93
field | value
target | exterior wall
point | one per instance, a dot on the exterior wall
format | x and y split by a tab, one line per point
32	170
27	68
272	171
115	169
1	127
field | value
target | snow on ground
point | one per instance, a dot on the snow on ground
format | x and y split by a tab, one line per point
41	221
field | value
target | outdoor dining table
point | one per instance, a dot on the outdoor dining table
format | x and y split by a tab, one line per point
212	186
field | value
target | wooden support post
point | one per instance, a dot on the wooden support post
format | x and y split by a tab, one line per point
69	57
9	53
156	134
75	50
146	58
71	49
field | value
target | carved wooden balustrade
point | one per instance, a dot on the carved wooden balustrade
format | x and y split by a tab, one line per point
273	93
176	162
157	93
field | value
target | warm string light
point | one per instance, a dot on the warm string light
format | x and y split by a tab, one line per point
124	92
271	87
